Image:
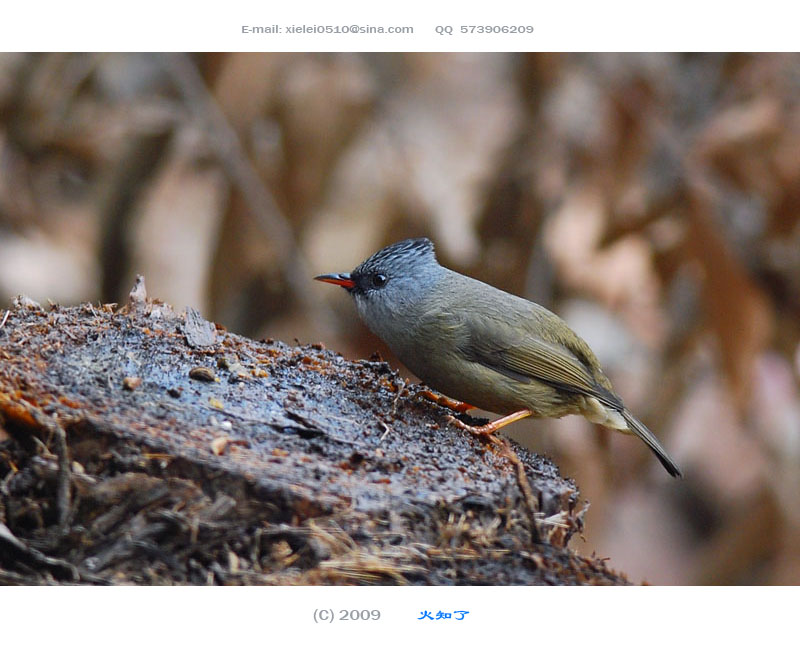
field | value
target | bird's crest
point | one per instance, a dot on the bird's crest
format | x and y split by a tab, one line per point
402	252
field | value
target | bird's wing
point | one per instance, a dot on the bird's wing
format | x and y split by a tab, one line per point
526	357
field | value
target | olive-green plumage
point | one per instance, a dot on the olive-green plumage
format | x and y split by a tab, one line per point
481	345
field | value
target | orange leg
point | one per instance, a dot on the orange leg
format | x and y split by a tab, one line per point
487	430
441	400
487	434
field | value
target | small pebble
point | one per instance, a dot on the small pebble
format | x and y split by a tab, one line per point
201	373
131	383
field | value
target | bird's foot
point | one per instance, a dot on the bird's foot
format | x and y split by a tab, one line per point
487	431
441	400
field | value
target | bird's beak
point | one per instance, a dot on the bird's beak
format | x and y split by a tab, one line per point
342	279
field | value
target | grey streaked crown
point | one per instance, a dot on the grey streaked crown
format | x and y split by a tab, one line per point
406	252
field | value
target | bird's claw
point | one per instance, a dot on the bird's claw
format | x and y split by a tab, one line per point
446	402
484	432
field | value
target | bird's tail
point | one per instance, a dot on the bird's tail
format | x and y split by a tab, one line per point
641	431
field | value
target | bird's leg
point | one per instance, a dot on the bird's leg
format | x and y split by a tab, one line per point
441	400
488	430
487	434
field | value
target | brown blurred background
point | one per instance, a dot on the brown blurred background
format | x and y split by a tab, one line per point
651	200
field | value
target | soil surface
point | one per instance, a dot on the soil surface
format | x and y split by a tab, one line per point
143	446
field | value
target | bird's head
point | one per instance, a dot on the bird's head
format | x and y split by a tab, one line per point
389	282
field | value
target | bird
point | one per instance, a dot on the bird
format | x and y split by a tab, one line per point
482	346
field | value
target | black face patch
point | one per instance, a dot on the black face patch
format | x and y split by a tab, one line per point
369	281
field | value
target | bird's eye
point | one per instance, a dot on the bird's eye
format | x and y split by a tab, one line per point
378	280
